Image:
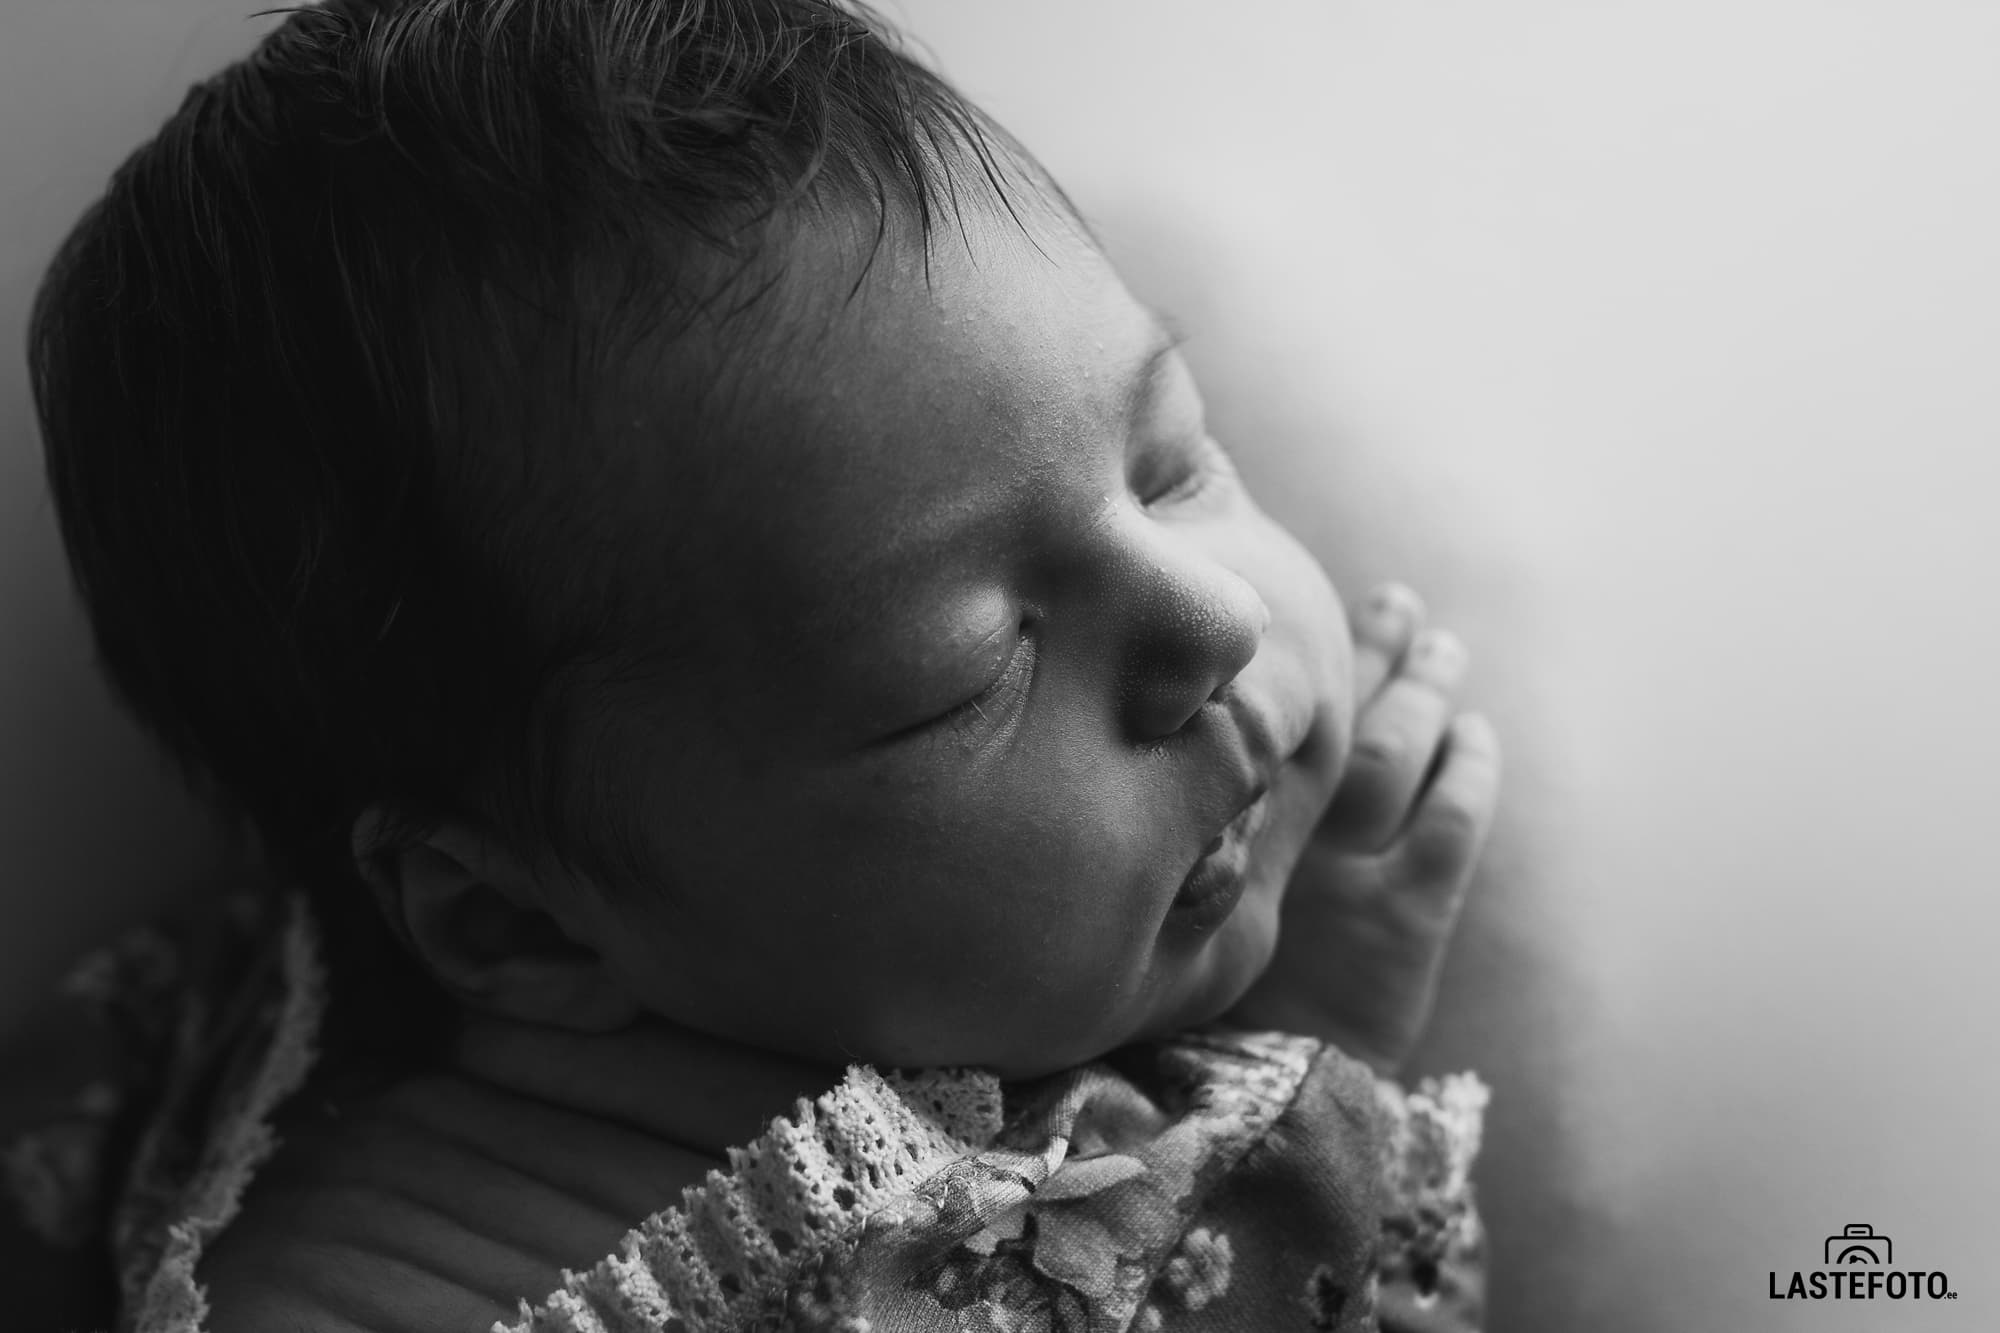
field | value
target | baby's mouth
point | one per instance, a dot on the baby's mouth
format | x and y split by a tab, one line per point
1215	884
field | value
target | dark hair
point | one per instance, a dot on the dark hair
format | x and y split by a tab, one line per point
317	377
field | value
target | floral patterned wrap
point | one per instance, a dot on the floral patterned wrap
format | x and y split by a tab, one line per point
1219	1182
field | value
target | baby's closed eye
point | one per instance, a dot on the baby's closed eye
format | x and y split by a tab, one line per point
1001	695
1179	473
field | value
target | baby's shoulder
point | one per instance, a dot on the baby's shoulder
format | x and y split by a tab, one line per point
436	1203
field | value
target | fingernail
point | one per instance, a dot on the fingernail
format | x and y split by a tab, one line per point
1438	648
1391	601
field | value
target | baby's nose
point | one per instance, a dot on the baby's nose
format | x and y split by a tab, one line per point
1196	632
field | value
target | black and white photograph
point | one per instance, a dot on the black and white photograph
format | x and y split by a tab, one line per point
938	666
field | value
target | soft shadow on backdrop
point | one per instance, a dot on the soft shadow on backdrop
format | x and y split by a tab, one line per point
1657	347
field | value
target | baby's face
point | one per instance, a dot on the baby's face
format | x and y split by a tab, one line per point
1013	711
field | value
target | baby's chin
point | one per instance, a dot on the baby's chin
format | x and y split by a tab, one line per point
1224	964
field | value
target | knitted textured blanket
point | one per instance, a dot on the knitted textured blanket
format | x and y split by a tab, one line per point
1222	1181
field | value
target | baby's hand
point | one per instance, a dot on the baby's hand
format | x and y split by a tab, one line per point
1377	890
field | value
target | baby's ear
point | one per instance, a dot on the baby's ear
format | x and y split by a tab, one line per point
478	920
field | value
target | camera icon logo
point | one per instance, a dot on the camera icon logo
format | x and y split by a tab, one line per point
1857	1244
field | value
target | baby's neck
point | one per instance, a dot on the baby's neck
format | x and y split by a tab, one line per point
666	1082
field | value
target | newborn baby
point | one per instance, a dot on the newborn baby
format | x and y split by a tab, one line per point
672	530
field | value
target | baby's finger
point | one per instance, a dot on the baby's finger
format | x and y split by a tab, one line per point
1445	836
1396	741
1387	619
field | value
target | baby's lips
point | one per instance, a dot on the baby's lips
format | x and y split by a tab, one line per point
1271	735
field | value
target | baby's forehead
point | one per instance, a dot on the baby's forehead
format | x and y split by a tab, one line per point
848	342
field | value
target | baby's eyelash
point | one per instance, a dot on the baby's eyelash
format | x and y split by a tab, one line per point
1207	462
974	712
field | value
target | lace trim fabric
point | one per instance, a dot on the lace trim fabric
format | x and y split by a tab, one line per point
162	1231
1433	1137
742	1235
1428	1219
